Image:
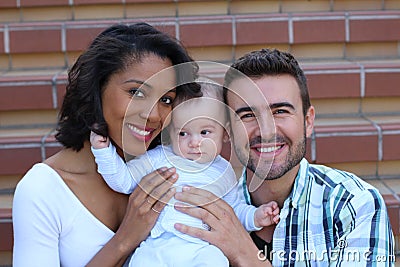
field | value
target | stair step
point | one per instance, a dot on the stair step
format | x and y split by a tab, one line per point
31	10
304	34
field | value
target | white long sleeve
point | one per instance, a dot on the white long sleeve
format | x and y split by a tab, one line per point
114	170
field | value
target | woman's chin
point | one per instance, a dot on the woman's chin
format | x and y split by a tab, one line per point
134	151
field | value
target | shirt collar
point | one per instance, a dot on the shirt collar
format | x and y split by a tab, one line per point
300	184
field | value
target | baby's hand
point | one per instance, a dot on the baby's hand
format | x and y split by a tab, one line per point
98	141
267	214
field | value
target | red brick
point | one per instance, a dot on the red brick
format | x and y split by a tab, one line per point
50	151
149	1
26	97
2	42
339	149
96	2
210	34
393	213
168	29
333	85
261	32
18	160
345	129
308	150
6	233
382	84
374	30
391	146
8	3
78	39
318	31
393	208
61	89
34	3
38	40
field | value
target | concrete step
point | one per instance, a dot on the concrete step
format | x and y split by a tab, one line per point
337	88
47	10
56	44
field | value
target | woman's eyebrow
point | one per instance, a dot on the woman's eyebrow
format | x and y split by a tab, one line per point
139	82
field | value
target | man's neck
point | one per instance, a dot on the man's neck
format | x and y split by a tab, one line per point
277	190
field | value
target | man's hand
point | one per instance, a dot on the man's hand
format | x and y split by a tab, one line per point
226	232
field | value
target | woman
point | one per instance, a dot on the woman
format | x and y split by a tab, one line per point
63	211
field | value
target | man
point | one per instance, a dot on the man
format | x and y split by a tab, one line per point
328	217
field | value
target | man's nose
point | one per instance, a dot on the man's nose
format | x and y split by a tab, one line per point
266	125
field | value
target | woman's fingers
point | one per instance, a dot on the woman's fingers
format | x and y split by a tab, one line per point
154	191
162	202
157	183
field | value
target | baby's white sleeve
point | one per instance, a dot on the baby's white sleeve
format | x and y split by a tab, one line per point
114	170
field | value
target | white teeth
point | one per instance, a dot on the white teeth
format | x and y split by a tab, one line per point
268	149
138	131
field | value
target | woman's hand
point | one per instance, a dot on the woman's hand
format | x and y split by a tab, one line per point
227	233
144	206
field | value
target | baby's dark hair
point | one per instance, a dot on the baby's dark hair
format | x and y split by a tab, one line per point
208	88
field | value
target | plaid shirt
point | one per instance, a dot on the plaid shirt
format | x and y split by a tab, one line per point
331	218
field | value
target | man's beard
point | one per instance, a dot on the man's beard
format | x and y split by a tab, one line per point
266	170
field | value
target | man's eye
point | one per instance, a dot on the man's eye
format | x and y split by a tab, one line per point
280	111
246	116
136	92
205	132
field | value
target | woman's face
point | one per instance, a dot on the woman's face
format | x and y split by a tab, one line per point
136	103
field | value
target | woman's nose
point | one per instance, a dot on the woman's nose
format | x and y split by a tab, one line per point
152	114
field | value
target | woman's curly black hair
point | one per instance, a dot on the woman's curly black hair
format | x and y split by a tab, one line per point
112	51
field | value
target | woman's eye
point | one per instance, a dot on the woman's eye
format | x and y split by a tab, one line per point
167	100
136	93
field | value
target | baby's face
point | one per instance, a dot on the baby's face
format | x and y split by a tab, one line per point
197	132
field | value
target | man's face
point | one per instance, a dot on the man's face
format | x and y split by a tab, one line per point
271	116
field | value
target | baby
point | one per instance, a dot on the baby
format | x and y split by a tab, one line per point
197	133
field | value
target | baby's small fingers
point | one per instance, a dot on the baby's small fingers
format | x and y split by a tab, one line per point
276	219
268	210
275	212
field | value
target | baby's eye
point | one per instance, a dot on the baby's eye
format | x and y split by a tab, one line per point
182	133
205	132
136	92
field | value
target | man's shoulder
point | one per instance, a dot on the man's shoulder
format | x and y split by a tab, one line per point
337	182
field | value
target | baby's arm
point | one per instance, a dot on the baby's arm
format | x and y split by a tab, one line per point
111	166
266	214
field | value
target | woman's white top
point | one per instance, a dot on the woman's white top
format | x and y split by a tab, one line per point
51	226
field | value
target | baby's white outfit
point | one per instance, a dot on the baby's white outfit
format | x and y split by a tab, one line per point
166	246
